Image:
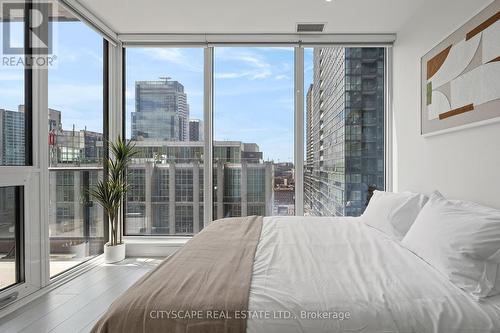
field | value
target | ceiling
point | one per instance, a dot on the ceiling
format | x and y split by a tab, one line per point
252	16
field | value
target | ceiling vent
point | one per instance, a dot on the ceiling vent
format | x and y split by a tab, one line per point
310	27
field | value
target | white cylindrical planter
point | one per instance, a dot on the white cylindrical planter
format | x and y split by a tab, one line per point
114	254
80	250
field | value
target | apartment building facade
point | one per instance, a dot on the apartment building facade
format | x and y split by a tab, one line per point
344	130
166	186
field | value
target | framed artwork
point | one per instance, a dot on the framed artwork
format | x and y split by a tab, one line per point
460	83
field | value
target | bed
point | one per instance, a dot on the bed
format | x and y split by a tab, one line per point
306	274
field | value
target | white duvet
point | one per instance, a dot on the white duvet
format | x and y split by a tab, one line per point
341	268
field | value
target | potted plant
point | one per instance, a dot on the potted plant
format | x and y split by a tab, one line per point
110	193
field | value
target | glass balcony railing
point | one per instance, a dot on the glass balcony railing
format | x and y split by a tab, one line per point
76	227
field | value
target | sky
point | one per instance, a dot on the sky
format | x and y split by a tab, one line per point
253	90
11	79
75	82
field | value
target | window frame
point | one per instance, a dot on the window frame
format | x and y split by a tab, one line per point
27	95
28	91
33	176
19	237
27	238
23	178
208	144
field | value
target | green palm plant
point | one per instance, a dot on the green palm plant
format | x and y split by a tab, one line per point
110	192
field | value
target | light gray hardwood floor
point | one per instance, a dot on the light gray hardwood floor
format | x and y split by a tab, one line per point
77	305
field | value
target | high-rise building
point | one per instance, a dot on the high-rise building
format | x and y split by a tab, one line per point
166	186
345	130
309	162
161	111
12	137
12	134
195	130
54	120
78	146
284	188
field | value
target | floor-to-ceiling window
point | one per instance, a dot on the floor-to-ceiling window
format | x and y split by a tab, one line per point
345	110
253	133
164	119
12	116
15	142
253	147
253	170
75	142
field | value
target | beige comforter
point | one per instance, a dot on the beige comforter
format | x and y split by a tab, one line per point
203	287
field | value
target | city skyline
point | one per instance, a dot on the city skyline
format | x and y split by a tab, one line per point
241	73
253	125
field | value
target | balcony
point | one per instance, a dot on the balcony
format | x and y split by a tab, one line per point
76	223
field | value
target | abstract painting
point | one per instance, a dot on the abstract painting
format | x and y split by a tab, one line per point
461	76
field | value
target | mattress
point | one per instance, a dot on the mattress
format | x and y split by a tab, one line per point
324	274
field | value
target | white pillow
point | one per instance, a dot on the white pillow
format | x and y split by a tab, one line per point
462	241
393	213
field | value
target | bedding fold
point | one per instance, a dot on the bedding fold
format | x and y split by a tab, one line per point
200	288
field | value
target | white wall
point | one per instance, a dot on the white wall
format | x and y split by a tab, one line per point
463	164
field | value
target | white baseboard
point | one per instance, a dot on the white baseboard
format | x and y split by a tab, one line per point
153	247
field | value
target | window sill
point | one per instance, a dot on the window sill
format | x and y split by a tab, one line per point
153	246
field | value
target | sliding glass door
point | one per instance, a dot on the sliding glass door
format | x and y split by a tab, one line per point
16	152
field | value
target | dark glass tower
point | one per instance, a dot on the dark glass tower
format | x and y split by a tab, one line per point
11	137
345	130
161	111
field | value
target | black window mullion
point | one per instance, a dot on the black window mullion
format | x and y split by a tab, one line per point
105	109
19	234
28	88
124	134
